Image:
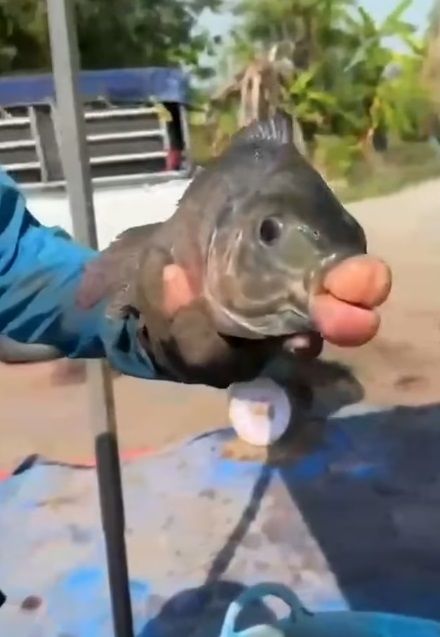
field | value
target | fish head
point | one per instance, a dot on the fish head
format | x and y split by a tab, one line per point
281	237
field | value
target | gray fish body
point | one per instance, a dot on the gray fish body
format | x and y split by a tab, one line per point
252	232
258	285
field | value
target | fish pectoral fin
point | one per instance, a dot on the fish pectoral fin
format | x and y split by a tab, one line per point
112	275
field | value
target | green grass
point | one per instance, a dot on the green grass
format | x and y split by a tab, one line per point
405	164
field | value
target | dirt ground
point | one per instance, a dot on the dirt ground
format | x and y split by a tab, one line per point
401	367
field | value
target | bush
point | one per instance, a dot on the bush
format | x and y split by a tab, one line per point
336	156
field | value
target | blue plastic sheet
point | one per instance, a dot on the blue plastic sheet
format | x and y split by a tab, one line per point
354	525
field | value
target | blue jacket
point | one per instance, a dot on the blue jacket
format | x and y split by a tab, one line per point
40	270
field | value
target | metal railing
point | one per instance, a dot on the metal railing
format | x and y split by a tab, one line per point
121	142
18	147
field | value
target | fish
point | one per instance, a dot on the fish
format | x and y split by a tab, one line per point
267	257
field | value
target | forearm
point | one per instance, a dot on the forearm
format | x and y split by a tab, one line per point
40	271
39	268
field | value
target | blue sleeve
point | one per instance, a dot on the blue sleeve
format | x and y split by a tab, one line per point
40	271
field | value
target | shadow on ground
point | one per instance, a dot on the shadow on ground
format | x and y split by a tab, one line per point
374	512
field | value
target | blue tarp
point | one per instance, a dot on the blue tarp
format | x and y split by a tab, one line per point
115	85
352	525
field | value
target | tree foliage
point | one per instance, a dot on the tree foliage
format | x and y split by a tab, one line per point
23	36
348	80
431	69
112	33
313	26
434	19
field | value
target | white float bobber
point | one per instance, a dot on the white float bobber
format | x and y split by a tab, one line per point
259	411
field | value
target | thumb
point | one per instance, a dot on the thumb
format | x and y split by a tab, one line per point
177	292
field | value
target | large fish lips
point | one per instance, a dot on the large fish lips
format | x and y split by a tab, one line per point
343	308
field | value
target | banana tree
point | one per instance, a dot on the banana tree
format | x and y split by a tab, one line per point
365	101
311	105
382	103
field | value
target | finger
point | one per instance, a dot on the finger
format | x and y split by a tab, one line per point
177	292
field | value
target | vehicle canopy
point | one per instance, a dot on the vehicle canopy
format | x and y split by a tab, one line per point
113	85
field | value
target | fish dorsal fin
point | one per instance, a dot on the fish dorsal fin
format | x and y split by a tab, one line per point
277	129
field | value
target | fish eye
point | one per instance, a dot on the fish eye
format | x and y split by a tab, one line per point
270	230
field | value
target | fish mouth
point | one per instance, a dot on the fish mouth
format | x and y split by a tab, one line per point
304	342
343	305
306	345
341	308
344	308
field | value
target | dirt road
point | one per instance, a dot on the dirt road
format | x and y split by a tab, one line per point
402	366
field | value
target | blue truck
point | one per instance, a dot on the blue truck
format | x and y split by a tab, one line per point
136	125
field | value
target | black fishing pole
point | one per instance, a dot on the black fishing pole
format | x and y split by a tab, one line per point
70	123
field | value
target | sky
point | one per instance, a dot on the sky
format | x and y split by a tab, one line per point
417	14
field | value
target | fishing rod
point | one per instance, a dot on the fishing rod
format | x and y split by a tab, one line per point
65	62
